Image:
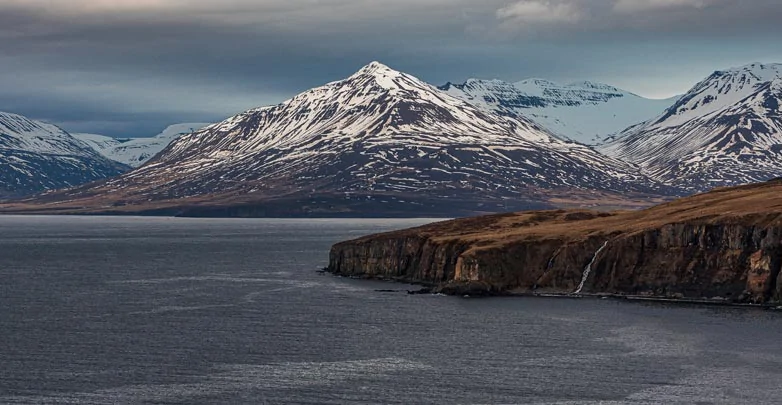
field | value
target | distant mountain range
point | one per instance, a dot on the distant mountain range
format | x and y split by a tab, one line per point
136	151
584	112
35	157
379	141
382	142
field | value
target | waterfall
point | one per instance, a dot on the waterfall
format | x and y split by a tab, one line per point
553	258
588	269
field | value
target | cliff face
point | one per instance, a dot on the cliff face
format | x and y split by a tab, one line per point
415	259
726	244
730	261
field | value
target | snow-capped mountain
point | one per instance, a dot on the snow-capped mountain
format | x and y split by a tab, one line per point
585	112
727	130
136	151
379	135
36	156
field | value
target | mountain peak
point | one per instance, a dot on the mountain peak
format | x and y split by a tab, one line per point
536	82
760	72
37	156
724	131
581	111
595	86
376	75
490	81
723	90
758	66
376	68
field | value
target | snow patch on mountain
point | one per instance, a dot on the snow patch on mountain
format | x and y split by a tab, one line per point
36	156
726	130
21	133
584	112
377	131
136	151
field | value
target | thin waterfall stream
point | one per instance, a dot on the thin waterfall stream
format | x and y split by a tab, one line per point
588	269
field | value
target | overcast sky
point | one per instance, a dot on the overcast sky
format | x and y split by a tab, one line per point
130	67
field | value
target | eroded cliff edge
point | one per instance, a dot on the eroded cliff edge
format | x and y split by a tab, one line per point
725	244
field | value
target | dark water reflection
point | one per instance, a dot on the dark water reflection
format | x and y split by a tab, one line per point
181	311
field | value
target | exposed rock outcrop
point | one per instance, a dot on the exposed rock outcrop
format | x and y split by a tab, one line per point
725	244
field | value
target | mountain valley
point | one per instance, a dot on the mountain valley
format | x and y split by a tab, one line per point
384	143
134	152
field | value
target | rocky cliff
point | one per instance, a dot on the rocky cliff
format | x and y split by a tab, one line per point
725	244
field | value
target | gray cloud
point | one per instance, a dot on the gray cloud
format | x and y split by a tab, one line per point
634	6
638	18
130	67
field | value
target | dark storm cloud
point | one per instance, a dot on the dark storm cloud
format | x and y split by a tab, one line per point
130	67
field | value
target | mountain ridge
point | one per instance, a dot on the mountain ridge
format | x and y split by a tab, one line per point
134	152
381	136
727	130
377	135
585	111
38	156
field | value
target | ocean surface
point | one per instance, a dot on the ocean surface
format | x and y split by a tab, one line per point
102	310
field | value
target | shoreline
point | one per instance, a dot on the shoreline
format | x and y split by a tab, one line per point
432	289
644	298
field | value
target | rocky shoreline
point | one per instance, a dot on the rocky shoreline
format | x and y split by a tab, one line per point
723	246
465	291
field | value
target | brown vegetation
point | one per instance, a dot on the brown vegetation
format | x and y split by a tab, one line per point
726	243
